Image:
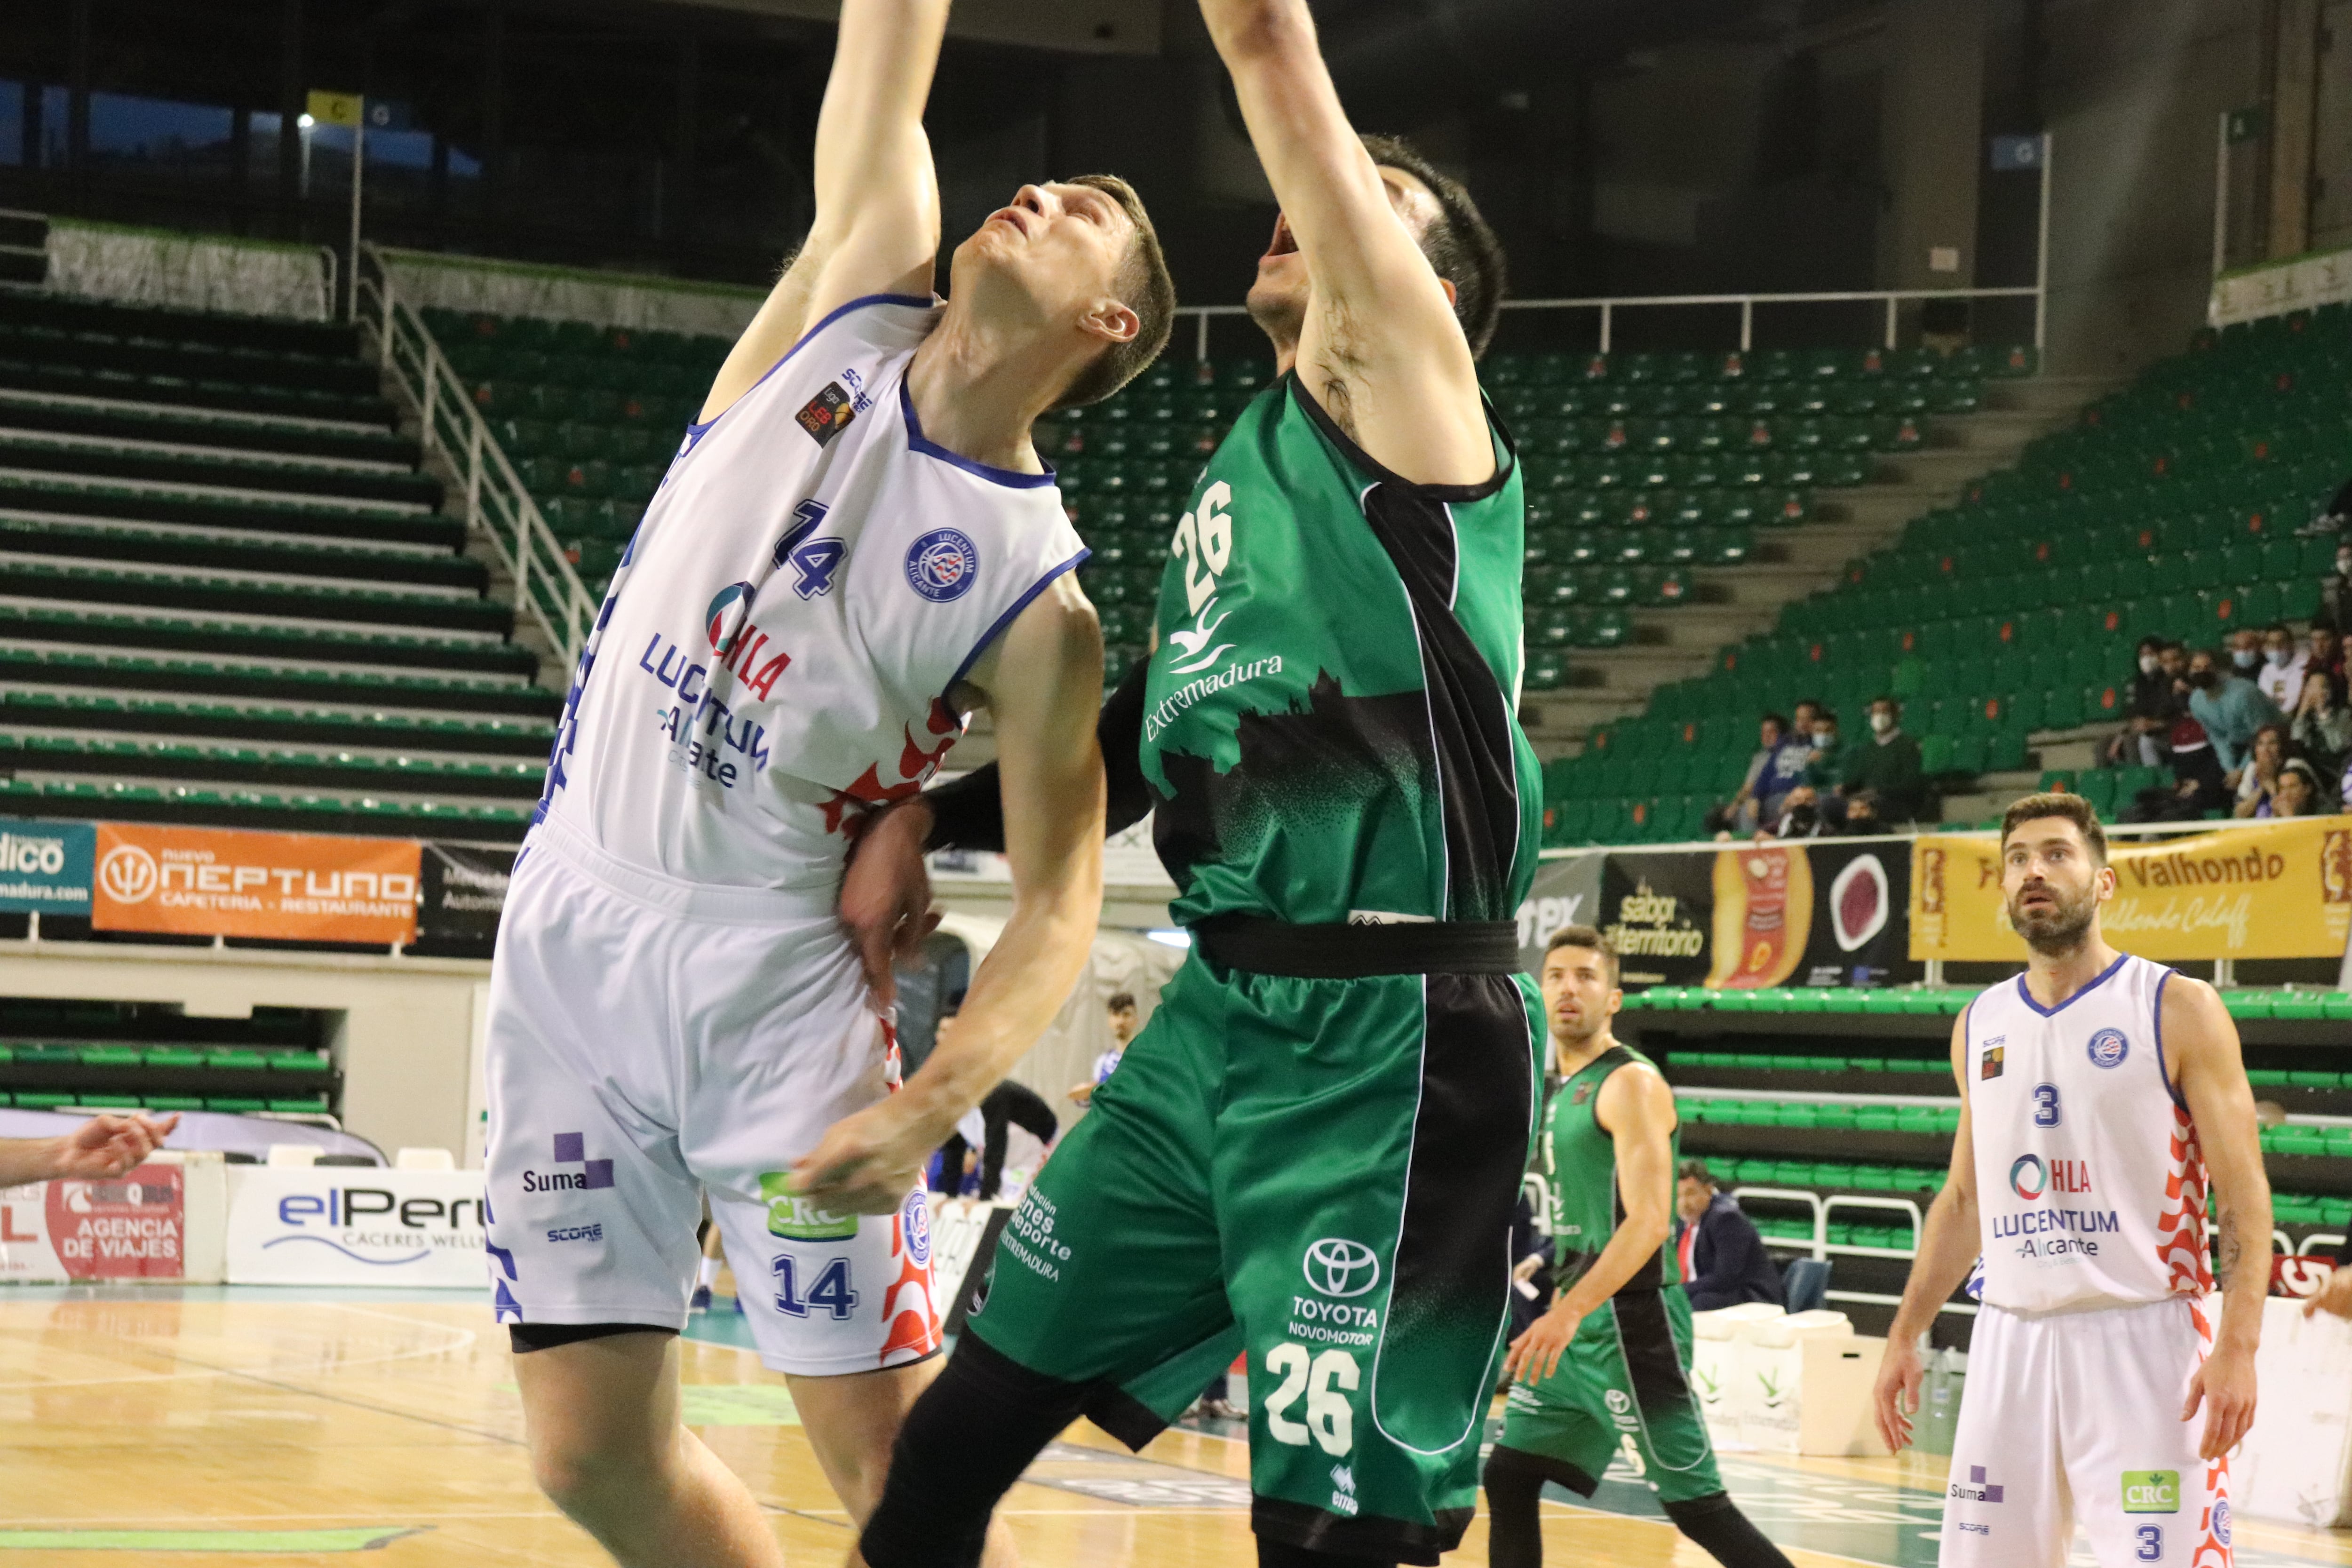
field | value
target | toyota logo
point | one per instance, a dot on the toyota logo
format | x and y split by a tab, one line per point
128	874
1338	1267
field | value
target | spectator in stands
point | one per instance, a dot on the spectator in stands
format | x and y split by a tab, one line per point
2296	794
2245	646
2325	650
2148	714
2229	708
103	1146
2281	677
2259	776
2323	724
1884	773
1740	813
1824	770
1122	1018
1723	1259
1786	769
2198	784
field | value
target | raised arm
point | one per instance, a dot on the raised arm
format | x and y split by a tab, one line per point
1042	680
877	229
1380	347
2210	1076
1948	1246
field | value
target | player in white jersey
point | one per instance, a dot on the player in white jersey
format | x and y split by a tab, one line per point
856	545
2100	1094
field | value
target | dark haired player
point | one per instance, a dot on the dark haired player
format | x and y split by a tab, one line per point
1610	1360
2099	1093
1313	1151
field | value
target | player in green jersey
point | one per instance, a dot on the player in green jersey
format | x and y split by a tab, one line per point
1609	1363
1312	1152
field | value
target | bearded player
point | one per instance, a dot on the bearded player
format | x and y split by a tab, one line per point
1313	1151
1610	1360
856	545
2099	1093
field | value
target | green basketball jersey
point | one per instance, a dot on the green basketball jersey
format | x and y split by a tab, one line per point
1580	1162
1330	725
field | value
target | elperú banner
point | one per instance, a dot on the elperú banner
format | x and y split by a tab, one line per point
209	881
2271	889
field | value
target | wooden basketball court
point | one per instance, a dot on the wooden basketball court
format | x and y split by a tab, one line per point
239	1425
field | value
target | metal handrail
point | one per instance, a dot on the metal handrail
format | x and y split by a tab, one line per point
548	591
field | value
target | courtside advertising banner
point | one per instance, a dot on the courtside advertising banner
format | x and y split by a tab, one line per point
206	881
131	1226
1811	912
356	1225
1567	892
2280	889
465	892
45	867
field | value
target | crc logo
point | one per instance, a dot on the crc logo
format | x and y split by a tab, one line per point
1338	1267
2109	1049
129	874
2027	1179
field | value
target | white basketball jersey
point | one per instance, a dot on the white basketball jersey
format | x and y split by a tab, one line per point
773	657
2090	1183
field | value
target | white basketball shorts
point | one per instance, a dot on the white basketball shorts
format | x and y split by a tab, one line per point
651	1040
2076	1416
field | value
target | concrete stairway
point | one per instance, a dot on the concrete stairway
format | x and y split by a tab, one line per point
1729	603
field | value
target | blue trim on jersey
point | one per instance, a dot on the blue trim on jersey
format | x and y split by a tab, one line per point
919	442
923	302
1969	1066
2163	1071
2104	974
1005	619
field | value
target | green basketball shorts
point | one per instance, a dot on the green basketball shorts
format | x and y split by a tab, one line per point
1625	1376
1320	1173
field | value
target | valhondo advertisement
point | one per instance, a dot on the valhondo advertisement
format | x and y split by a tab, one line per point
2276	889
207	881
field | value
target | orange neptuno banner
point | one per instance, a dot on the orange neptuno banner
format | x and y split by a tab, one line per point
207	881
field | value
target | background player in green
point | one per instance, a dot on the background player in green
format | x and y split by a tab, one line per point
1314	1150
1611	1359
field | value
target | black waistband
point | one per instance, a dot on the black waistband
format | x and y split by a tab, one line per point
1342	951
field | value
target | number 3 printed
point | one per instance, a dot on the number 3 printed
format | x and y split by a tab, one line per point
2045	1105
2151	1543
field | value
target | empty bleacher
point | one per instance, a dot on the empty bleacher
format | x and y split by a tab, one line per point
55	1055
2172	507
229	593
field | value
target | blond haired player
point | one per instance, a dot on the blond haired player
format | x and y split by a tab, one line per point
2100	1093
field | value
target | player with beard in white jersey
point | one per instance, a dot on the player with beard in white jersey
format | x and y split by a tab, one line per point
856	546
2099	1095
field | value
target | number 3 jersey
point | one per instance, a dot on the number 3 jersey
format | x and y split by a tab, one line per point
2090	1183
774	655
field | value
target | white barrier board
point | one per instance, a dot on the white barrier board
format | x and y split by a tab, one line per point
348	1225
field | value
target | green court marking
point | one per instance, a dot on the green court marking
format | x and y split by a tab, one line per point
722	1326
367	1539
728	1404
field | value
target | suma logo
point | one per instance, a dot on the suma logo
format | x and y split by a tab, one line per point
2109	1049
1338	1267
570	1149
1976	1489
942	566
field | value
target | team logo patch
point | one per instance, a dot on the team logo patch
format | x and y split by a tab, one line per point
725	617
915	1225
827	414
2221	1524
2109	1049
942	566
1338	1267
2155	1491
2027	1179
1994	1059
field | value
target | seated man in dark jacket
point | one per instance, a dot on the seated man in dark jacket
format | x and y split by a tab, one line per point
1723	1257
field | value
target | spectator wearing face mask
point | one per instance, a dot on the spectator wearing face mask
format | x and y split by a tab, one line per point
2323	724
1824	770
2148	711
2229	707
2281	676
2336	589
1883	775
2245	646
2259	777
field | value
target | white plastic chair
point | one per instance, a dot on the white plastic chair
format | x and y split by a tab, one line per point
424	1160
293	1154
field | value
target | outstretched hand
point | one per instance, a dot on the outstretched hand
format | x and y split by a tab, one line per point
886	895
2225	1384
1896	1399
866	1163
108	1145
1535	1355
